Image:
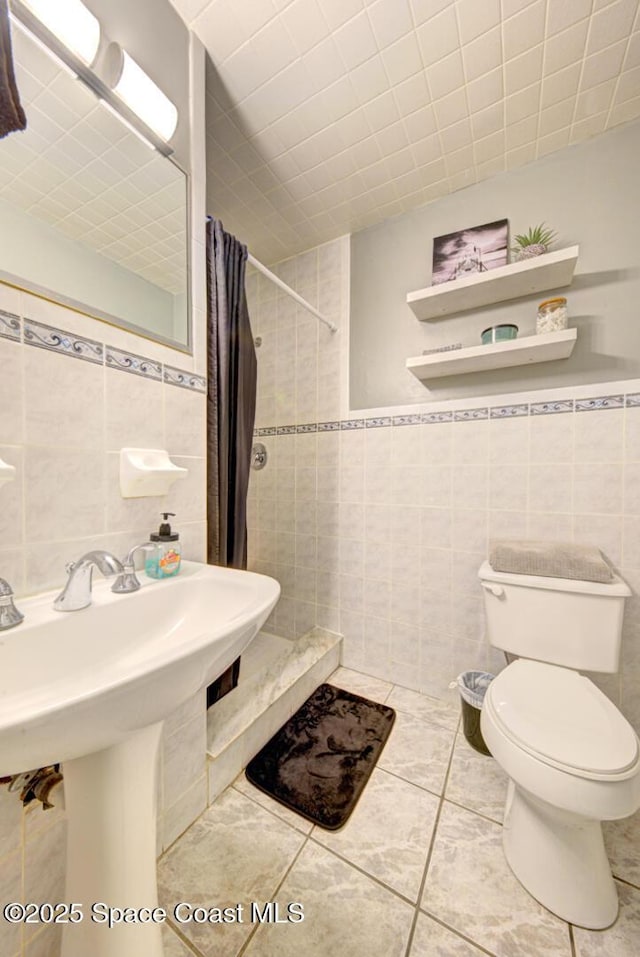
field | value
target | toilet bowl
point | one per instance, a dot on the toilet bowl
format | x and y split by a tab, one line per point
573	761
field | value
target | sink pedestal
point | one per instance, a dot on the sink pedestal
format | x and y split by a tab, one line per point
111	801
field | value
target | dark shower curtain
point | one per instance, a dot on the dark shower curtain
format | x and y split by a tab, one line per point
231	398
12	116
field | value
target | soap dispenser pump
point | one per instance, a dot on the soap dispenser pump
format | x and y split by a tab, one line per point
164	560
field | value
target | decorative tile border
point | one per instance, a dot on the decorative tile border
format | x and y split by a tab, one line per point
64	343
407	419
43	336
518	410
508	411
186	380
470	415
551	408
604	402
9	326
129	362
436	418
379	423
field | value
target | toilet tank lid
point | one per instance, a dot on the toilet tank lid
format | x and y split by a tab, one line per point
617	588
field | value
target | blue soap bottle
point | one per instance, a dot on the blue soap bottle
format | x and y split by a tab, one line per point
164	560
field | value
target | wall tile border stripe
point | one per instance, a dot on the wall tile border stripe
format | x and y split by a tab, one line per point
130	362
604	402
10	326
43	336
186	380
63	343
595	404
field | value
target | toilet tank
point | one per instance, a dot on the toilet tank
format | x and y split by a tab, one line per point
577	624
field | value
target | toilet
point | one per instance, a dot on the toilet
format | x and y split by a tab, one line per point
572	759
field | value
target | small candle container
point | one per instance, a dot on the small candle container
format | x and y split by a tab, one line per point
552	315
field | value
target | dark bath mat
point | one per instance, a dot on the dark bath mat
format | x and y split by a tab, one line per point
319	762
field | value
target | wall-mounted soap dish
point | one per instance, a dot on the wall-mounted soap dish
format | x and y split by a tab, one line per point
147	472
7	472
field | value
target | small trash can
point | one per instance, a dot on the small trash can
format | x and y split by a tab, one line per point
472	686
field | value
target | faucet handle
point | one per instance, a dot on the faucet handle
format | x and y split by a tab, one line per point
9	614
128	581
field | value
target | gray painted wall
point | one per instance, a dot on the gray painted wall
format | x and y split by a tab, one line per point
591	194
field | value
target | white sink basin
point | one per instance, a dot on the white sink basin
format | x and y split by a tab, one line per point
90	689
73	683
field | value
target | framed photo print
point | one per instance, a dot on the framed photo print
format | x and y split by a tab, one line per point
470	251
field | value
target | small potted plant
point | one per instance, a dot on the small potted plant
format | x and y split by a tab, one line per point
534	243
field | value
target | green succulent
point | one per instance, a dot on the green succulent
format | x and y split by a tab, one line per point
537	236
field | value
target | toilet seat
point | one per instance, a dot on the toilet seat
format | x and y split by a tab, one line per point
562	719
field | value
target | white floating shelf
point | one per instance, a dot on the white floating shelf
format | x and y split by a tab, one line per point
499	355
550	271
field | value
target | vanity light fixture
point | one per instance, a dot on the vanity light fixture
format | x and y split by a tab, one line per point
72	35
72	23
145	98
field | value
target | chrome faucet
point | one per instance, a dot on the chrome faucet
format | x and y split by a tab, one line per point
128	580
76	593
9	614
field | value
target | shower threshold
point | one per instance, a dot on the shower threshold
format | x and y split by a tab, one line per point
276	676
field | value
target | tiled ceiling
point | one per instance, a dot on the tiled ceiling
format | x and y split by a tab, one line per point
325	116
79	169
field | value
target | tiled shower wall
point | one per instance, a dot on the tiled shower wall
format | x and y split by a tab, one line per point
376	524
72	393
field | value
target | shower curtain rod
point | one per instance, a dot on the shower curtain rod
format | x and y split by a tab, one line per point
290	292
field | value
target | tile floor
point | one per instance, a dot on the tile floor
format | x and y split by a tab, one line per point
417	871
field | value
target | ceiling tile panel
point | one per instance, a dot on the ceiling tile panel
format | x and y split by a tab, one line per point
402	59
390	19
483	55
566	48
485	91
305	24
611	24
445	76
329	115
564	14
476	18
523	31
439	36
355	41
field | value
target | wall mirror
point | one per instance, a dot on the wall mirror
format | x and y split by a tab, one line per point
92	216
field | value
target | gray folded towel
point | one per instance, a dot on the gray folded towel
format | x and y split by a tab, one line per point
550	560
12	115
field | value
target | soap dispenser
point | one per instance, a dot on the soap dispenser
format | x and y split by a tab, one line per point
164	560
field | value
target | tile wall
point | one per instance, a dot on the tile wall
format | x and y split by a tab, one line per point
375	523
72	393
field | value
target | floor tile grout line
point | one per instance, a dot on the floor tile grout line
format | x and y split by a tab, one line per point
276	891
458	933
184	940
572	942
627	883
427	862
273	813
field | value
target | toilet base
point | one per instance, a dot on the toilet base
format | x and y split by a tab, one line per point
560	859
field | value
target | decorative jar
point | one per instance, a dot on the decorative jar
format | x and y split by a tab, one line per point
552	315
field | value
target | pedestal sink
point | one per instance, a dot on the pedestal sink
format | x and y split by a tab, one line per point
91	689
